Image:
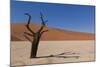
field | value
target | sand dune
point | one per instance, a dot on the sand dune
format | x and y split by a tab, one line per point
52	34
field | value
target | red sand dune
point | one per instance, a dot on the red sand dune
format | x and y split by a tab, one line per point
53	33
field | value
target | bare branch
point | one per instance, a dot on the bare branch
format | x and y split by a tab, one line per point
44	31
28	34
41	16
28	38
29	18
27	25
42	23
42	19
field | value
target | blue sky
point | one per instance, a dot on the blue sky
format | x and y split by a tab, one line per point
65	16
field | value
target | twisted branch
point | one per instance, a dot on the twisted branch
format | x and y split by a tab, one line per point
27	25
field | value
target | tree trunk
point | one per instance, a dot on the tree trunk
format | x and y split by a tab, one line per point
34	47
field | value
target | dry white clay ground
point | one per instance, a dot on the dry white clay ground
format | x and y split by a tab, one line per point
75	51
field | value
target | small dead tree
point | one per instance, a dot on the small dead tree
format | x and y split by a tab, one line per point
35	35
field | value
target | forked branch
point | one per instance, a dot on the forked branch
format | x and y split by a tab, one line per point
43	23
27	25
42	19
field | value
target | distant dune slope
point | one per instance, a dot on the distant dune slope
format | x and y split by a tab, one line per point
53	33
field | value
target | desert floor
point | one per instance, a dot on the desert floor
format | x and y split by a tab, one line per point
75	51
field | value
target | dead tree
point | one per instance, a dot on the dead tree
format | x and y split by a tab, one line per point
34	35
36	39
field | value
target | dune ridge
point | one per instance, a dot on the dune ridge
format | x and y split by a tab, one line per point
17	30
